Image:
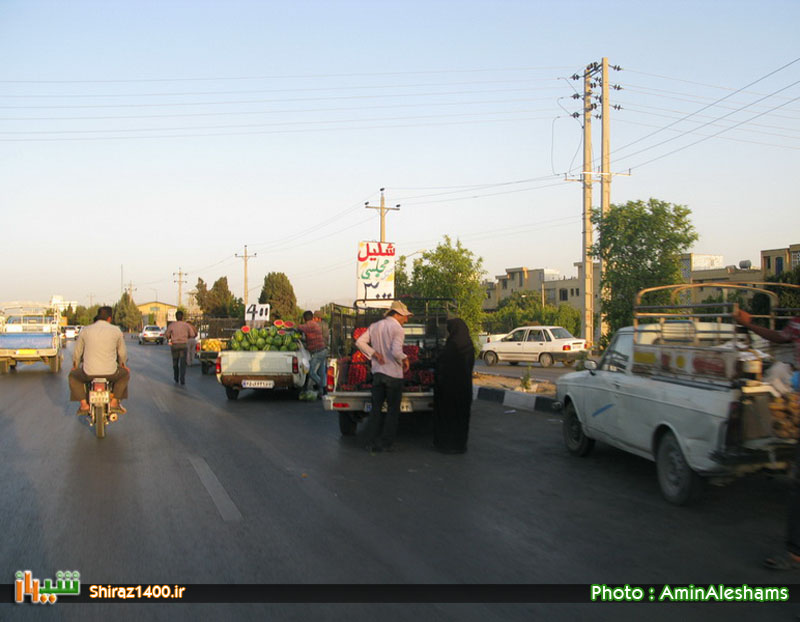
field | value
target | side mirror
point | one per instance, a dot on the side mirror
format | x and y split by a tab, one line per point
590	365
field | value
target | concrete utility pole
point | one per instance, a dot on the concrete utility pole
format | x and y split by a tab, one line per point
91	299
605	170
131	289
383	209
245	257
180	274
588	269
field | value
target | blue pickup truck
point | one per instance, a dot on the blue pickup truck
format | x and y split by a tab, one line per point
29	335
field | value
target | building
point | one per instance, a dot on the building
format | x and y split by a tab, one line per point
157	312
779	260
533	280
58	302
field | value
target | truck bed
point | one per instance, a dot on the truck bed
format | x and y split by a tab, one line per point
27	341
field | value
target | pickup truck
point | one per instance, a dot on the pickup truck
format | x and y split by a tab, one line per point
258	367
29	335
534	344
685	392
213	336
349	380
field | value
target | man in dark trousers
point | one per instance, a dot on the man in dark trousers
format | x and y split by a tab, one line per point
382	344
790	558
179	333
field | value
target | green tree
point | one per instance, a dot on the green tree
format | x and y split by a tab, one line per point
278	292
218	301
788	298
451	271
402	283
640	245
522	308
126	314
202	296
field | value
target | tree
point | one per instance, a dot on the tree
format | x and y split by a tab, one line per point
788	298
202	296
218	301
126	314
449	271
521	309
640	245
279	293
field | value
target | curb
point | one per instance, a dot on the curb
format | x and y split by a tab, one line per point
515	399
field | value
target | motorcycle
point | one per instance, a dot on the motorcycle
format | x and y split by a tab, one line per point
100	413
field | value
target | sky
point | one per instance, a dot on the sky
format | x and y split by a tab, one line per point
143	139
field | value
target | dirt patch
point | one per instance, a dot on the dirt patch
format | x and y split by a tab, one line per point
493	381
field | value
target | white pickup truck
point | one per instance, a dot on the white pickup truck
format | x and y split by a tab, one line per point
29	333
684	392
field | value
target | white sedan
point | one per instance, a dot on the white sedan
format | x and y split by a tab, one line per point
532	344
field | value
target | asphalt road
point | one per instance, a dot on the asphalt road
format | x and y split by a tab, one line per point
191	488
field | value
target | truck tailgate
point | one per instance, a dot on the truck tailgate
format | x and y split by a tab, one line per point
248	363
28	341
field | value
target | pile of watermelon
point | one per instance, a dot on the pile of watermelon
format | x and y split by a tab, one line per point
282	336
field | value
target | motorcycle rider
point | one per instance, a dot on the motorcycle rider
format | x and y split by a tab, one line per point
101	348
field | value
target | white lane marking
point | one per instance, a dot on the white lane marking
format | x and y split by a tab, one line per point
160	404
225	505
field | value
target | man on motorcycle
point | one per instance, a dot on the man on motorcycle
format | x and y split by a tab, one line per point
101	347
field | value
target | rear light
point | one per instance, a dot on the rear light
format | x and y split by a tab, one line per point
98	386
295	366
341	405
566	348
329	378
218	365
197	347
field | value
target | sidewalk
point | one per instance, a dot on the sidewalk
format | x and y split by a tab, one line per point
515	399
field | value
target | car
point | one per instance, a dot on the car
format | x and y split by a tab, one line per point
71	332
532	344
151	334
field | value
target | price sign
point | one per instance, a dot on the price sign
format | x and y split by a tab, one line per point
257	313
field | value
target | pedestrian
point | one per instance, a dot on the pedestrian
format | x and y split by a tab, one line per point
452	398
382	344
100	352
317	346
191	346
178	334
790	558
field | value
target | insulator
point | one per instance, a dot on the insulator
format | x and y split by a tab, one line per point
575	76
576	96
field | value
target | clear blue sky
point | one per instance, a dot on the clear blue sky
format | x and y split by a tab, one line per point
167	135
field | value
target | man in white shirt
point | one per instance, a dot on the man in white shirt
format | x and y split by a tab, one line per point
382	344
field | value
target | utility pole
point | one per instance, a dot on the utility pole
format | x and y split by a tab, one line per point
180	274
91	299
383	210
245	257
605	172
131	289
588	268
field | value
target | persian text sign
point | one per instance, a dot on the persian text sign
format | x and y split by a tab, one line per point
375	274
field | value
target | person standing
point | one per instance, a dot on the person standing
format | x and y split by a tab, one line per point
178	334
317	347
100	353
452	399
382	344
790	558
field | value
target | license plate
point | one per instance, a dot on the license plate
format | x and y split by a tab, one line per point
405	407
25	352
98	397
258	384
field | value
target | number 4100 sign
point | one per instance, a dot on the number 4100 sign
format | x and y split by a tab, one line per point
257	313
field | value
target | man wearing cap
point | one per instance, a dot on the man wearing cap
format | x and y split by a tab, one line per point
382	344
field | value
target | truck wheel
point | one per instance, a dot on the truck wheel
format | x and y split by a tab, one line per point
4	367
347	425
678	483
231	393
577	443
490	358
55	364
545	359
203	368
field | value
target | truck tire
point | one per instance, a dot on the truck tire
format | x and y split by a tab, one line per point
490	358
678	483
231	393
347	425
55	364
203	367
4	367
545	359
575	440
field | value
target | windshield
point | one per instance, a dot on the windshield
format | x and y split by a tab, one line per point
561	333
155	328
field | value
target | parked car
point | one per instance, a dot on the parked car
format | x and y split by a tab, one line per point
71	332
151	334
531	344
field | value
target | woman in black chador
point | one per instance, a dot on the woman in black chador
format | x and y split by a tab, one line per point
453	390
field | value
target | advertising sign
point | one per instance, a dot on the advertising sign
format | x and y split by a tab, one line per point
375	273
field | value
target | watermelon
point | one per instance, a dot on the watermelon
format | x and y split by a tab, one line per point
245	329
260	343
284	348
238	335
235	345
288	324
293	347
278	323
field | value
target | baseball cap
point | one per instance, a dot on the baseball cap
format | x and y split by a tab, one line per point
399	307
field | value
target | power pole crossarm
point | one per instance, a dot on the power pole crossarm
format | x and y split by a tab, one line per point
383	210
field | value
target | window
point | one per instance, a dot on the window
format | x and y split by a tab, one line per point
561	333
505	284
618	354
795	259
768	262
778	265
536	335
517	335
562	295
